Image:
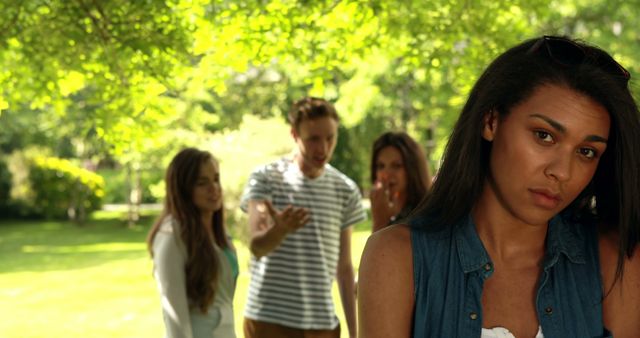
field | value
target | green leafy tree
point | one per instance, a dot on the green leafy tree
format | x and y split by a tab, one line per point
131	81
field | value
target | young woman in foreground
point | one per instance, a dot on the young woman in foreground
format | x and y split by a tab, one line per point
195	264
538	189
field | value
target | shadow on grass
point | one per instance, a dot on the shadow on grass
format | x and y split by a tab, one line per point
36	246
59	245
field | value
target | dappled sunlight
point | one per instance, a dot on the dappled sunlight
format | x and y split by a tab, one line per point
109	91
115	299
84	284
50	246
100	247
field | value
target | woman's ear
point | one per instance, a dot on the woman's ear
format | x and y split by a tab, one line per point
490	125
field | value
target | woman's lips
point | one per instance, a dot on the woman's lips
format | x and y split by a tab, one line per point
545	198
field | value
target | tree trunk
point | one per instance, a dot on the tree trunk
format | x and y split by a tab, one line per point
133	179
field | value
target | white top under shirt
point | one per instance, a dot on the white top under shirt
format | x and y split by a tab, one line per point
291	286
501	332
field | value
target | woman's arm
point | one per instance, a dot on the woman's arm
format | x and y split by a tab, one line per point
169	272
385	284
621	305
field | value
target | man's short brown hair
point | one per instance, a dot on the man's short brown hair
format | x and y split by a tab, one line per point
310	108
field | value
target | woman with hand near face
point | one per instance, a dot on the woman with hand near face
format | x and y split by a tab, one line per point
531	226
399	178
195	264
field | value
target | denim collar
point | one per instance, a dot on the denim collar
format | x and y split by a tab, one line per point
471	251
562	238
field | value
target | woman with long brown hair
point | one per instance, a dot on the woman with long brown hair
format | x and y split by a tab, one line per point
195	264
399	177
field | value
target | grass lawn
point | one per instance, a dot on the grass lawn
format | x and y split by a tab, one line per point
61	280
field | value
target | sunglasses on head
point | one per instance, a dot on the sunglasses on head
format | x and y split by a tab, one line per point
569	53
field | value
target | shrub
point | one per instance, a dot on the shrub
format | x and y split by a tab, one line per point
117	188
5	186
61	189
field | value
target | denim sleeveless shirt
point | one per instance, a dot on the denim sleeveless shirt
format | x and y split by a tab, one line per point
451	265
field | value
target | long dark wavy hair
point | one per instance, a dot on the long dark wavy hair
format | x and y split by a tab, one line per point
414	160
202	263
611	198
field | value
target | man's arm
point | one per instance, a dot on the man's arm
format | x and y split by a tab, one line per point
346	281
268	227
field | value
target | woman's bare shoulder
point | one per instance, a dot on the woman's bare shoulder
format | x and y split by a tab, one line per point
385	284
387	258
608	245
392	240
621	304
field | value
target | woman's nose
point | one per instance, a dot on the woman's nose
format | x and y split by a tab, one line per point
559	168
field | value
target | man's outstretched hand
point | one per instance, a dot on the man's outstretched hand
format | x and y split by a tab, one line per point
290	218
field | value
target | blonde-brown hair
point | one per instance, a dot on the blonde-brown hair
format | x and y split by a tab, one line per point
310	108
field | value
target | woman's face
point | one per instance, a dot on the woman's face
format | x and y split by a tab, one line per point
390	170
544	152
207	193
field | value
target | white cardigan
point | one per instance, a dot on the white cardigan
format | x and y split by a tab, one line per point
180	319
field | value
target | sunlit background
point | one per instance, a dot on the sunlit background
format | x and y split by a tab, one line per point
97	96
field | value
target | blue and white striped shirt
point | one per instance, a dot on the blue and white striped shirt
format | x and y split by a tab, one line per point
291	286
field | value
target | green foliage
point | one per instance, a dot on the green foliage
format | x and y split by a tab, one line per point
5	186
353	151
62	189
99	66
133	81
116	189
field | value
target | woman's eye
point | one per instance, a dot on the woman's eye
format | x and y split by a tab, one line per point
543	136
588	153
